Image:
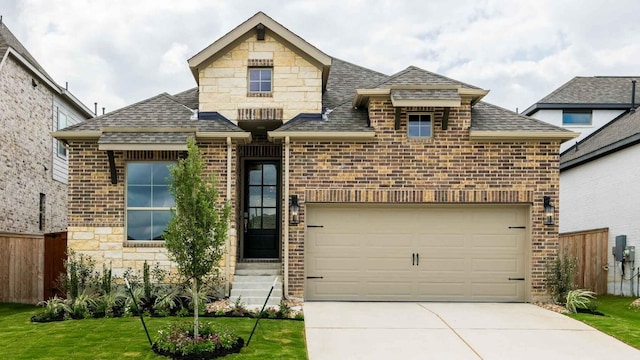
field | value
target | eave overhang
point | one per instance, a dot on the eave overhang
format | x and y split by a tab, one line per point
363	96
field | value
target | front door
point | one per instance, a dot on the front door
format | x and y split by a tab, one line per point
261	209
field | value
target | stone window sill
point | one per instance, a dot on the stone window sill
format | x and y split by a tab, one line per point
148	244
260	94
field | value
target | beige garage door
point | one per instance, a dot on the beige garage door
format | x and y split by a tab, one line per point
416	253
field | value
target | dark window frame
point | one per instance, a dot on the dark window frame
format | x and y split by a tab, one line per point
578	112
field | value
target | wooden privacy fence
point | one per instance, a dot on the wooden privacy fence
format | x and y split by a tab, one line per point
21	268
590	248
29	266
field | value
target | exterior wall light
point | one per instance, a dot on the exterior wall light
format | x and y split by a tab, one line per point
294	211
549	211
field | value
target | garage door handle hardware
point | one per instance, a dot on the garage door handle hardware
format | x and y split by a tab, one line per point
417	259
315	226
521	279
517	227
413	259
315	277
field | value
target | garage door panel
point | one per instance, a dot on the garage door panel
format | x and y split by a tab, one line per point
466	253
496	265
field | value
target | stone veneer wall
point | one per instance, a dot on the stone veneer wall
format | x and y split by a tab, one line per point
446	169
26	156
297	84
97	207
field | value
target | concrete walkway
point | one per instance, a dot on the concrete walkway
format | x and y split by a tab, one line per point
358	330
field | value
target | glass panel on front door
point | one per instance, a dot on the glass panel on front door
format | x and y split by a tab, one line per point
261	209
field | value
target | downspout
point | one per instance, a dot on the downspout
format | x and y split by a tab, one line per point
286	218
227	265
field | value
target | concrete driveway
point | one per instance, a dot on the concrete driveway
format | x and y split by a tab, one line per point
359	330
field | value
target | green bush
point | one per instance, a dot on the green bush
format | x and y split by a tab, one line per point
560	276
55	309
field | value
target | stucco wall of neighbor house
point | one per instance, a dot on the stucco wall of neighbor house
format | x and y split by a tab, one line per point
603	193
97	207
297	84
599	118
25	159
447	169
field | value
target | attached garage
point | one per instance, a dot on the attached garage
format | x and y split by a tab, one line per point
416	253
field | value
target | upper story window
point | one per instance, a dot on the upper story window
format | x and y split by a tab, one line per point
576	117
61	124
420	126
148	200
260	80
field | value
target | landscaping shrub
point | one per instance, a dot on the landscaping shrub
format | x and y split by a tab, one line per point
561	275
176	341
579	299
55	309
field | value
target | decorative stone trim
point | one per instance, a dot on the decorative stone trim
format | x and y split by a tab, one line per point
260	63
260	94
152	155
418	196
260	114
149	244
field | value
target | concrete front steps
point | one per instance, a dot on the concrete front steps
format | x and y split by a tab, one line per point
252	282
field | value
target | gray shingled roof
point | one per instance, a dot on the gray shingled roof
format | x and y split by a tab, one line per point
145	138
188	98
489	117
616	135
344	118
415	76
595	91
344	79
447	94
162	110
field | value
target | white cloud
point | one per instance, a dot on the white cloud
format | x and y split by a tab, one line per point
120	51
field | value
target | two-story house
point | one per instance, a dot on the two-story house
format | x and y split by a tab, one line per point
585	103
33	167
347	183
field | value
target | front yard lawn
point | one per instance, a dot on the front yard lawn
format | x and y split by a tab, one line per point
124	338
620	320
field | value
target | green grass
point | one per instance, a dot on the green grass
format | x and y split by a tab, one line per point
124	338
620	320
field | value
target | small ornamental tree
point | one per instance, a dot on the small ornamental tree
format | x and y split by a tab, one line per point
198	230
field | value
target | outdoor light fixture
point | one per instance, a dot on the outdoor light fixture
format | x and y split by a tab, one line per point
294	211
549	211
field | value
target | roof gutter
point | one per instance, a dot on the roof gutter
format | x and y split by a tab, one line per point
609	149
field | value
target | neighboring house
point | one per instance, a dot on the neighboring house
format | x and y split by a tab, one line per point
33	165
585	104
600	189
349	183
598	170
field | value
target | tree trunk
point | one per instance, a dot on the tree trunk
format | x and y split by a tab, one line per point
195	309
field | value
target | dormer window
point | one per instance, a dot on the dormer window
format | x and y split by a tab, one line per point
419	126
260	81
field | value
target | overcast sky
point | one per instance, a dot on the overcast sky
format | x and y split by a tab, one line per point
116	52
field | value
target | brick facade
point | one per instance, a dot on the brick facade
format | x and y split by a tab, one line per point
97	207
445	169
25	160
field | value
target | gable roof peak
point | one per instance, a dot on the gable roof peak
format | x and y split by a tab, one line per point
243	31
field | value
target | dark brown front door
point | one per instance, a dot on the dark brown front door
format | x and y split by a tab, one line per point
261	209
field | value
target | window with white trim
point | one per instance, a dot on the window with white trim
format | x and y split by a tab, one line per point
260	80
148	200
419	125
